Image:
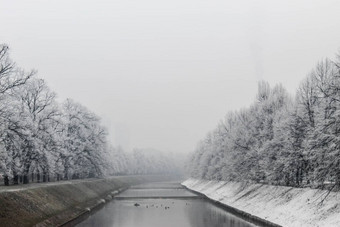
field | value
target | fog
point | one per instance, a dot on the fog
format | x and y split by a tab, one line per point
162	74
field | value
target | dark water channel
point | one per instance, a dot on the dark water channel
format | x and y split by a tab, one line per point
165	204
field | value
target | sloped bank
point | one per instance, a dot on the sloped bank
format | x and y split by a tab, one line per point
284	206
56	204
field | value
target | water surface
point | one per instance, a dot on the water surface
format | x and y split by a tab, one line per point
162	205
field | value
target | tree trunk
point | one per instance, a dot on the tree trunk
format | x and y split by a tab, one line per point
26	180
297	177
38	177
26	173
6	181
20	178
15	179
66	173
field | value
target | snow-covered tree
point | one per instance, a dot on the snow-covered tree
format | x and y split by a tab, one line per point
84	142
279	140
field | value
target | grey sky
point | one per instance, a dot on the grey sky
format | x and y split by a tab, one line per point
163	73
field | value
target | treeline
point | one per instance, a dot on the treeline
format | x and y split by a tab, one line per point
143	161
43	140
279	139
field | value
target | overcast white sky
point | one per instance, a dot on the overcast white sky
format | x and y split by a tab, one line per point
161	73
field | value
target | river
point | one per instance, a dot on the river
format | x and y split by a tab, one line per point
165	204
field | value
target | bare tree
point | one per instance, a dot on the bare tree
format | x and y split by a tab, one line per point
10	75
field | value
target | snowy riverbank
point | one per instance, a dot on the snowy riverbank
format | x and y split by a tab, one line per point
285	206
57	203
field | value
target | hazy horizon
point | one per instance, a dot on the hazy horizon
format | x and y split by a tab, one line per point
162	74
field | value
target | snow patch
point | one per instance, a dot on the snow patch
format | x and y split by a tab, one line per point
285	206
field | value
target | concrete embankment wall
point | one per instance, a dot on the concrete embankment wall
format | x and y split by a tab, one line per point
285	206
57	203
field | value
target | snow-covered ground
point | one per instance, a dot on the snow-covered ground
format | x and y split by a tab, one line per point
22	187
285	206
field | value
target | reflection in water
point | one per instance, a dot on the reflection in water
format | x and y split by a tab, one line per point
177	208
167	185
163	212
213	216
156	193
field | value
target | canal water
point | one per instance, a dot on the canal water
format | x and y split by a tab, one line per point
165	204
